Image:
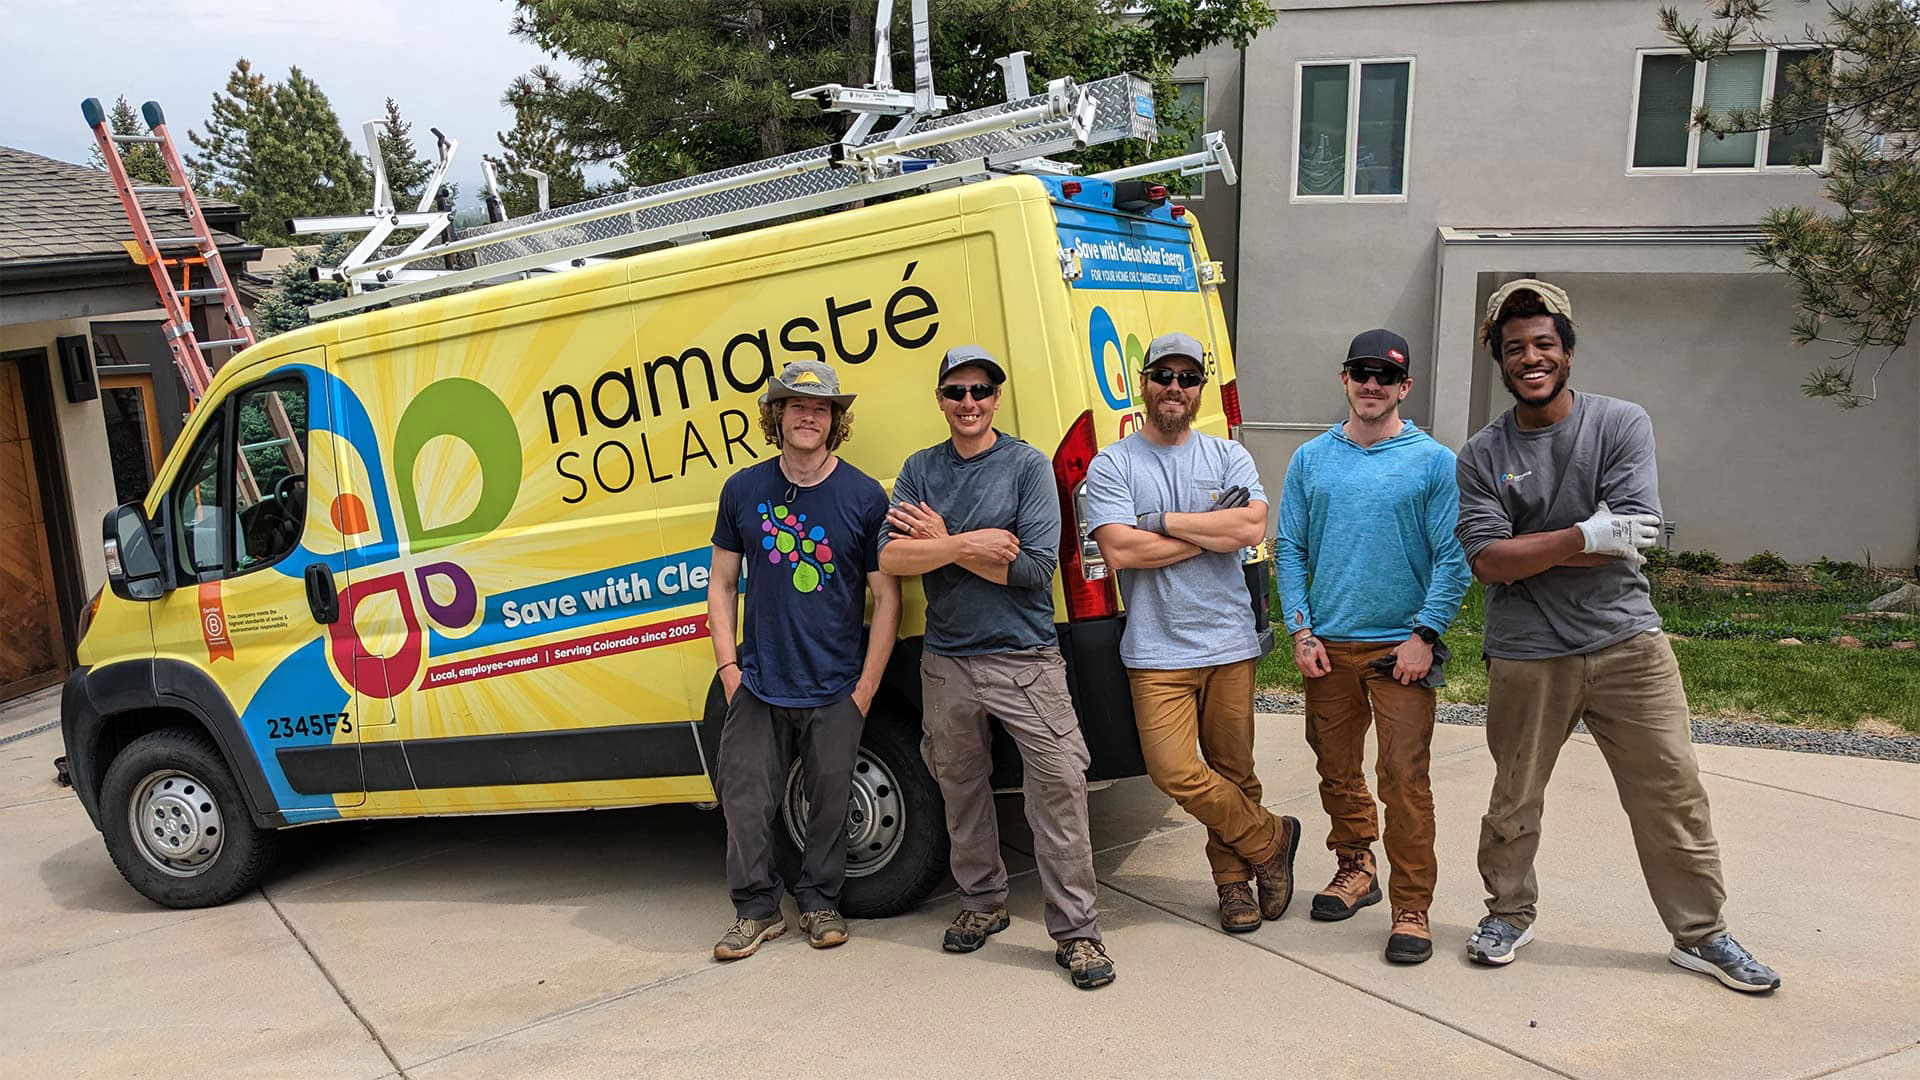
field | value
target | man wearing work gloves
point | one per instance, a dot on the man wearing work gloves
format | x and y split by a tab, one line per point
1558	498
1172	510
978	518
1370	577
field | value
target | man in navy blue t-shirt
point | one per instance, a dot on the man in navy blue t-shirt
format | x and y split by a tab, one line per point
807	527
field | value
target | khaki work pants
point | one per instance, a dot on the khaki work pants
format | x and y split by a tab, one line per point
1635	707
1341	705
1026	691
1196	730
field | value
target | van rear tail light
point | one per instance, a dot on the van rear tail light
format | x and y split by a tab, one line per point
1070	188
1084	577
1230	401
1178	212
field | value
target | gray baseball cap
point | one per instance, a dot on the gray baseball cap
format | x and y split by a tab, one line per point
1170	345
971	356
806	378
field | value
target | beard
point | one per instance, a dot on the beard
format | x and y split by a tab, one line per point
1559	384
1172	425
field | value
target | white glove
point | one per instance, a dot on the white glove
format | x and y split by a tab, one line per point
1620	535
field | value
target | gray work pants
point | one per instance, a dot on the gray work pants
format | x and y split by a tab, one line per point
757	748
1027	691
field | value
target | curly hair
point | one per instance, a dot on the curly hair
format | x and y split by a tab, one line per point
770	423
1523	305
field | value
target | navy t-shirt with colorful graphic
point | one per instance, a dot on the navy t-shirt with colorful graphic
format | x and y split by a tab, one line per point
806	553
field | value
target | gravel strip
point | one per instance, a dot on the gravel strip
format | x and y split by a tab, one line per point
1711	730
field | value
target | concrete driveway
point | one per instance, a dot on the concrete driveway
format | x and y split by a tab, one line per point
572	945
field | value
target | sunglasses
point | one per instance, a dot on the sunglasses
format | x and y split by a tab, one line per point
1384	376
978	391
1167	377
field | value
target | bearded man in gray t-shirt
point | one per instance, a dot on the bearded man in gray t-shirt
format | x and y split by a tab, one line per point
1558	498
1172	510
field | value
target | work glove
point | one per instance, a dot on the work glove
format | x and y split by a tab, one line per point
1620	535
1232	498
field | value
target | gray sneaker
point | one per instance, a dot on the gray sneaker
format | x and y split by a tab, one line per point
1725	959
1496	941
825	928
745	936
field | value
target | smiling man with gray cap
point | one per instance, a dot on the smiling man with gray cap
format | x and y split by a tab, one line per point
807	524
1172	509
978	518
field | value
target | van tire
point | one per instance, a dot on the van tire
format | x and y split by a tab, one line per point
919	858
180	774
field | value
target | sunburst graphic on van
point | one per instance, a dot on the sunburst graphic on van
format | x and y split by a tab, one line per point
789	540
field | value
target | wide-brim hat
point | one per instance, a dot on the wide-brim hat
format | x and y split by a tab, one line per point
808	379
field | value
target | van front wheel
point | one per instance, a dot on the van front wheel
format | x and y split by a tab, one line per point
896	824
176	824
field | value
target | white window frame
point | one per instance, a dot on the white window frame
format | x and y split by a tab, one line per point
1692	167
1354	64
1199	181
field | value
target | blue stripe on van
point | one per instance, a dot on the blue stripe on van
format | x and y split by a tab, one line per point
664	583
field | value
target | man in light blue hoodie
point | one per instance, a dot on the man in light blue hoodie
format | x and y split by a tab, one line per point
1370	576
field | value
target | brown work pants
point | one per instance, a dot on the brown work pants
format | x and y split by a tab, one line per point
1026	691
1196	730
1340	706
1635	707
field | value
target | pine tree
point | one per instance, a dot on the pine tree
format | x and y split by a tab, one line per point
142	161
670	88
278	151
1857	271
407	171
284	306
535	143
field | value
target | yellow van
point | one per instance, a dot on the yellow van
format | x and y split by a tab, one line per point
451	558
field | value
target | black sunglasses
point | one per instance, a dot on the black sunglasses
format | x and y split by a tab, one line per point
978	391
1384	376
1167	377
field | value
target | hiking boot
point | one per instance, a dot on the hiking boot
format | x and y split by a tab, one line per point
1086	960
1238	912
1496	941
1356	884
745	937
970	929
1411	941
1725	959
825	928
1276	874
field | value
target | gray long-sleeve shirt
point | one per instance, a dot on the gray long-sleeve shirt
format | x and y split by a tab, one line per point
1515	481
1007	486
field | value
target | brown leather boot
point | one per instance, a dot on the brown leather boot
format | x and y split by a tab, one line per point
1238	913
1356	884
1276	874
1411	941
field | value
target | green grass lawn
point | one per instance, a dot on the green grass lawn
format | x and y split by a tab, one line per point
1731	661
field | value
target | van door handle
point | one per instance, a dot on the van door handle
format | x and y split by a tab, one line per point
322	598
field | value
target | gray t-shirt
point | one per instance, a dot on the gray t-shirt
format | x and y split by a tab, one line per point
1007	486
1196	612
1514	481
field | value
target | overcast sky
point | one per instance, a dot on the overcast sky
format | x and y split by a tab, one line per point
445	61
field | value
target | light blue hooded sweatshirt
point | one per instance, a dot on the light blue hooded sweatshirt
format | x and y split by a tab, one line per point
1366	537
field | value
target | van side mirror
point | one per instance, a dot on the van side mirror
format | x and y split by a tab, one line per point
133	567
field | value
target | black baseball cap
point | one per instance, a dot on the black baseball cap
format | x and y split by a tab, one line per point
971	356
1383	346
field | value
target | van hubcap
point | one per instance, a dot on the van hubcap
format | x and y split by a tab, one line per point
176	822
876	814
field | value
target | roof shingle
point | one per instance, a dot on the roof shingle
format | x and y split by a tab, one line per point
53	210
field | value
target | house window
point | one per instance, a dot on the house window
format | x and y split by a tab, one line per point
1351	128
1193	102
1672	88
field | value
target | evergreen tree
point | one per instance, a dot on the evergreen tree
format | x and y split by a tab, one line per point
278	151
535	142
1857	271
407	171
142	160
284	306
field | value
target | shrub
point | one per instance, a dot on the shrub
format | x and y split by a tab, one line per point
1658	559
1828	570
1698	562
1767	566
